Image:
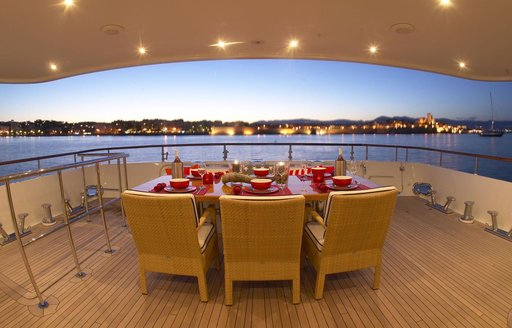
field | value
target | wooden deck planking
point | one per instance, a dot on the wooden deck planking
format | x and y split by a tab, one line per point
436	273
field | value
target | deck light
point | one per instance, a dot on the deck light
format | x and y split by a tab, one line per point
462	65
293	44
53	66
373	49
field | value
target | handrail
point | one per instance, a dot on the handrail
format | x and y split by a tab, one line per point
452	152
67	219
51	169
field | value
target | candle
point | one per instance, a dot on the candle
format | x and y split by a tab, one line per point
235	167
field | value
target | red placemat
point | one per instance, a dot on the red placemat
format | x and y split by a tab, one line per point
316	187
200	191
284	192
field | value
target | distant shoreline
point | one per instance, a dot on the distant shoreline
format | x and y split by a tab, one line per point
198	134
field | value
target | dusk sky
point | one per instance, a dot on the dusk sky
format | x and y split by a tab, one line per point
252	90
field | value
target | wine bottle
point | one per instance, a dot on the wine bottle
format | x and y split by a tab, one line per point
177	166
340	165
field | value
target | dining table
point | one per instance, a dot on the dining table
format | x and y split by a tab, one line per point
297	185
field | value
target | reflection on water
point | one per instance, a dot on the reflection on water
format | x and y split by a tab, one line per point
23	147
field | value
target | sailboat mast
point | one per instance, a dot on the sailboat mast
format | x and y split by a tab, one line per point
492	112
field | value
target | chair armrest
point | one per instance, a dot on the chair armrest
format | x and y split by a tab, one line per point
311	212
209	211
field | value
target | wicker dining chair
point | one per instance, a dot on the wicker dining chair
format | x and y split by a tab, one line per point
170	237
350	235
261	239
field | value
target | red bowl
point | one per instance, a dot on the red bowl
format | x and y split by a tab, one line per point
260	171
318	169
342	180
261	184
179	183
194	172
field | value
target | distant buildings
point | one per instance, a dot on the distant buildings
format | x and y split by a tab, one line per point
176	127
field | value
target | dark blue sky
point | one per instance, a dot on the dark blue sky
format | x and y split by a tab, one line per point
252	90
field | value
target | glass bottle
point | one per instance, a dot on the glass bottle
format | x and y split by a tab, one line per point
340	165
177	166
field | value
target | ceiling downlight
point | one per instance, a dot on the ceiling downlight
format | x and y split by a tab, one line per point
402	28
112	29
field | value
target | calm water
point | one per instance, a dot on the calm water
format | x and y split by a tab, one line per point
23	147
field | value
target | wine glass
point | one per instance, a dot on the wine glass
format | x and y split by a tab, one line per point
352	167
352	170
303	174
201	169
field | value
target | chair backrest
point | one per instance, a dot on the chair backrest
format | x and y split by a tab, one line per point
358	220
262	228
163	224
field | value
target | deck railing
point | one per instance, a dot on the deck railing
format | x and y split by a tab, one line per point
98	159
401	153
107	155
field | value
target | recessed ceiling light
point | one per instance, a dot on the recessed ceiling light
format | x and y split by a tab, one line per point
445	3
402	28
112	29
68	3
293	44
462	65
142	51
53	66
223	44
373	49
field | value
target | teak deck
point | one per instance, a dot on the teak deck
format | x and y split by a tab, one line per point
437	272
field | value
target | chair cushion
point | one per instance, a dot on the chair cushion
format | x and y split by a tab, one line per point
316	232
204	235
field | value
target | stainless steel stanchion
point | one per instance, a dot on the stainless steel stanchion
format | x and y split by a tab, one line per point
468	212
21	222
86	201
125	167
42	302
121	190
494	219
102	210
494	229
48	219
79	272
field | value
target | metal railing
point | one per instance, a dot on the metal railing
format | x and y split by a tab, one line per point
101	158
109	154
164	155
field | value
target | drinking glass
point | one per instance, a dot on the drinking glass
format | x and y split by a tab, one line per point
201	169
303	174
352	167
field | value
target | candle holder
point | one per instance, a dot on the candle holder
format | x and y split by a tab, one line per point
318	177
281	171
235	167
208	178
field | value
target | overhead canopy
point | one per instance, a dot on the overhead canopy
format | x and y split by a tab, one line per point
42	40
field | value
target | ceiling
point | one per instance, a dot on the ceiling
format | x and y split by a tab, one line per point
37	33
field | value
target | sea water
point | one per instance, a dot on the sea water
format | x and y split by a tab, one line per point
12	148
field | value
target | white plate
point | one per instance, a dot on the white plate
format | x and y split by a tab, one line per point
332	186
251	190
188	189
